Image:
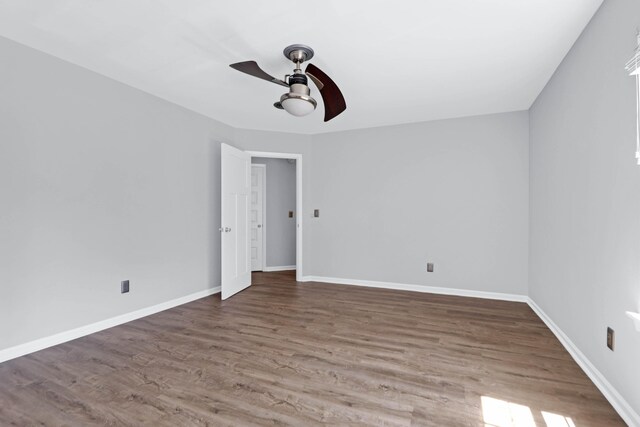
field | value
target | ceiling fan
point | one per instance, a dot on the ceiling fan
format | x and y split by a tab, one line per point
297	101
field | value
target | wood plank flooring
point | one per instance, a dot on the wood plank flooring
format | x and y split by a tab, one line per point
281	353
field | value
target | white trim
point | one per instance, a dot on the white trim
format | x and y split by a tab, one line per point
299	220
62	337
624	409
264	213
264	218
418	288
280	268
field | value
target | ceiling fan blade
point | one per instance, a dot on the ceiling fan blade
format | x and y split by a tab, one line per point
334	102
252	68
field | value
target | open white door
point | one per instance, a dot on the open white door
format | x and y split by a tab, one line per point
236	186
258	173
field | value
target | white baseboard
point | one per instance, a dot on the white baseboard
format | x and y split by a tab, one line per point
624	409
280	268
418	288
628	414
42	343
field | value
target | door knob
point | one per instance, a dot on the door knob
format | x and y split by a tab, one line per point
227	229
259	225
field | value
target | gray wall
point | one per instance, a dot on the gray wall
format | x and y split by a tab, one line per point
454	192
585	197
281	198
101	182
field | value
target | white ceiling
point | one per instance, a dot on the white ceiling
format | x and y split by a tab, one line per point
395	61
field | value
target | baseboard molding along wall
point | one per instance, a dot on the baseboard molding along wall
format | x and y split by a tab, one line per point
628	414
62	337
418	288
279	268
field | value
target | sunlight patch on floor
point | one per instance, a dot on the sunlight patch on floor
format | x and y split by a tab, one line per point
500	413
556	420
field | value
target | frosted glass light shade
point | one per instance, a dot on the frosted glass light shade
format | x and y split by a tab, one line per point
297	106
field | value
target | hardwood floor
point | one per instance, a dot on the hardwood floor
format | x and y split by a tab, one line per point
307	354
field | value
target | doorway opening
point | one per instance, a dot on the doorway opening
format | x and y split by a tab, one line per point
235	218
280	243
273	214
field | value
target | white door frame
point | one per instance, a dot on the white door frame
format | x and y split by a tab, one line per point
264	212
299	222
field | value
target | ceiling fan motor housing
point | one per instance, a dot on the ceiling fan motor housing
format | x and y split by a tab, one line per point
299	88
298	101
298	78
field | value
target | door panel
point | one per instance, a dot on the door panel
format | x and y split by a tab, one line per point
235	180
257	217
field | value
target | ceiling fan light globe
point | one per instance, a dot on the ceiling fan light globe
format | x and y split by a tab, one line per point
298	105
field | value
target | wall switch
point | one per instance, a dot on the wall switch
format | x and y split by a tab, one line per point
124	286
430	267
611	335
316	213
290	214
